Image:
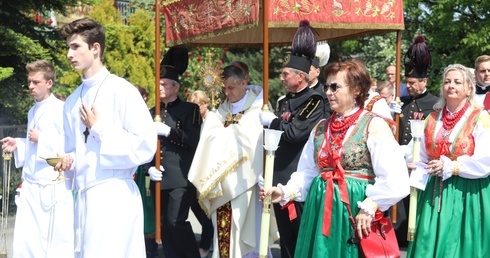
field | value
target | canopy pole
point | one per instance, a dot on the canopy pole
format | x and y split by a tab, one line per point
268	161
158	229
394	208
265	60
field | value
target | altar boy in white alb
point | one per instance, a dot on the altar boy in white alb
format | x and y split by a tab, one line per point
44	219
109	132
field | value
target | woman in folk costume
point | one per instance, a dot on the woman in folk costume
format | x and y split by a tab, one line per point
352	154
453	211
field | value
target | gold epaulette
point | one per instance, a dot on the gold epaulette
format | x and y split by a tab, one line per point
313	103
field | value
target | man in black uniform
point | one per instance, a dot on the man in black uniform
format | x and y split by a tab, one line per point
298	112
418	105
420	100
179	135
321	59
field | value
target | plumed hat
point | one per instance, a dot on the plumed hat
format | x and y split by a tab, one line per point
303	48
417	59
322	54
174	63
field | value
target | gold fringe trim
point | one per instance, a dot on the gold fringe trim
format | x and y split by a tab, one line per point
336	25
207	195
168	2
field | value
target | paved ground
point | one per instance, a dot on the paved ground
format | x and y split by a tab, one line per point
275	249
195	225
6	239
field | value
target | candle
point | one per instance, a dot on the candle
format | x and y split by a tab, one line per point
271	140
266	208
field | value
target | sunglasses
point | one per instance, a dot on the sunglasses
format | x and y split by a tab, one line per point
333	87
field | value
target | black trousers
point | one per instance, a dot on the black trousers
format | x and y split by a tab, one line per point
288	230
177	236
206	224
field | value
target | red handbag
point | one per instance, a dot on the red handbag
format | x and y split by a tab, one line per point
381	242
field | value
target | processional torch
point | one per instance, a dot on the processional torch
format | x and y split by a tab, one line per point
7	156
271	140
417	128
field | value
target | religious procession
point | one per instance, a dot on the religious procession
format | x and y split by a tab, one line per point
341	161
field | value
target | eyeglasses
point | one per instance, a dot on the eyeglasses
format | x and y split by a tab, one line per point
334	87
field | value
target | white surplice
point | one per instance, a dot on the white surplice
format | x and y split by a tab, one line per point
109	211
44	219
226	167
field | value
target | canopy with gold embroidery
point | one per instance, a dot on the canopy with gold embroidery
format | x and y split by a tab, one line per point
240	22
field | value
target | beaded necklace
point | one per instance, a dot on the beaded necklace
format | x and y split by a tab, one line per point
450	120
338	127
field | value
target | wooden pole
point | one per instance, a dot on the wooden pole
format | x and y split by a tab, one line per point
265	60
268	164
158	228
394	208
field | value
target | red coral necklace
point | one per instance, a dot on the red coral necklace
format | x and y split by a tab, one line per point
450	120
339	126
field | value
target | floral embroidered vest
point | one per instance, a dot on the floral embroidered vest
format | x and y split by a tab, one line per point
356	159
463	144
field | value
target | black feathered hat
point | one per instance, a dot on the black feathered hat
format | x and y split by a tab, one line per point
417	59
303	48
174	63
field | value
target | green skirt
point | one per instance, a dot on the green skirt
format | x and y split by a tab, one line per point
311	242
461	228
148	201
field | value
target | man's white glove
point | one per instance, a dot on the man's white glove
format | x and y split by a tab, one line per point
395	107
266	118
155	174
162	129
260	180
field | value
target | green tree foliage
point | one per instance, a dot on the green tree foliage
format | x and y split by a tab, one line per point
129	49
26	36
457	31
6	72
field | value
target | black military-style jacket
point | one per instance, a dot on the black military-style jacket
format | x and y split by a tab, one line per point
423	103
177	150
297	114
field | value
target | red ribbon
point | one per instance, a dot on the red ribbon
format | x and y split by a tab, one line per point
291	210
329	176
